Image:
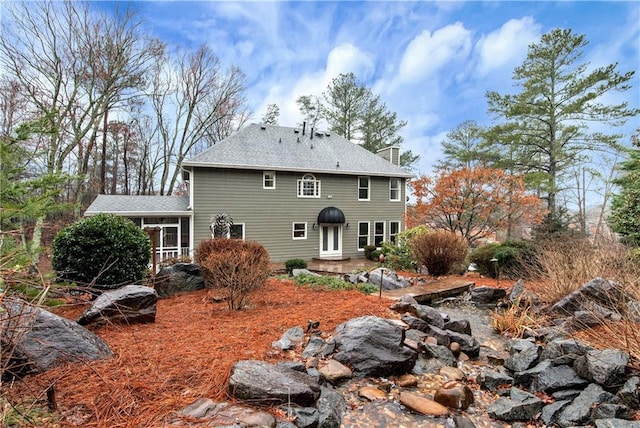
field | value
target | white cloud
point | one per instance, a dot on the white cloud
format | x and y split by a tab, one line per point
344	58
428	52
348	58
505	47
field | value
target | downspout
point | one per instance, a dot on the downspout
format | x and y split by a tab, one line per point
192	216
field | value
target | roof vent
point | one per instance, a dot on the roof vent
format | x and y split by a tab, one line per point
263	127
327	134
311	145
296	131
298	139
280	140
338	164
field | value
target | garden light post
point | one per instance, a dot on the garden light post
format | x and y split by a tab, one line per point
497	269
381	260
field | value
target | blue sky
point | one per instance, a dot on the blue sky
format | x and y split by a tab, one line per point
431	62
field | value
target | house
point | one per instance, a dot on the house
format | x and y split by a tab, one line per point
299	192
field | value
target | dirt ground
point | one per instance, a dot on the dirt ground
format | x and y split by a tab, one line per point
160	368
186	354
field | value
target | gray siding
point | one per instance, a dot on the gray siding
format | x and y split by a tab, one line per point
268	214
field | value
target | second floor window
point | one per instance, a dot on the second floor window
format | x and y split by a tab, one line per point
394	189
308	187
269	180
363	188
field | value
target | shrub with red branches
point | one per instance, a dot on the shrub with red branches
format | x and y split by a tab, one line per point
234	266
438	251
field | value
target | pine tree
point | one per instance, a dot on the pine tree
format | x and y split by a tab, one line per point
625	206
547	124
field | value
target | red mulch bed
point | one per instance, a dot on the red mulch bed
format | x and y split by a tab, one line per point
186	354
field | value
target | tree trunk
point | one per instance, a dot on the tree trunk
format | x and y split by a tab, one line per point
103	166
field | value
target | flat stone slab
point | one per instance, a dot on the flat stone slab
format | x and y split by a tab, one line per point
427	293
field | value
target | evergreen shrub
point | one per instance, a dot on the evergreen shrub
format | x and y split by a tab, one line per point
105	249
292	264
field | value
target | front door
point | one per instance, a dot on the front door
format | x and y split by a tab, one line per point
331	240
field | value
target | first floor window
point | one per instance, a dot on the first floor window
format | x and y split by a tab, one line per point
378	233
299	230
269	180
237	231
363	234
394	229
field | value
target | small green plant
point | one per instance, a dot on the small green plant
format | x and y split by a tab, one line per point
367	288
438	251
24	415
509	259
331	283
483	257
368	251
104	249
292	264
398	256
235	266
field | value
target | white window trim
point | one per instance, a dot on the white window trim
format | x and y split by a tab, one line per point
264	179
398	231
391	188
293	229
244	230
368	235
368	198
384	232
316	186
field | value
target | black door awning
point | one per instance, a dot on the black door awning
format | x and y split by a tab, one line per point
331	215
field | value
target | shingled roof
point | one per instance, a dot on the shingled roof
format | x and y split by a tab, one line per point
268	147
137	206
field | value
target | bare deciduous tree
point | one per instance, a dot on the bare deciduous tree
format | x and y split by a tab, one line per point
195	103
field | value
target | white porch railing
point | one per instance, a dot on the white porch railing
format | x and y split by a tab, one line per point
171	253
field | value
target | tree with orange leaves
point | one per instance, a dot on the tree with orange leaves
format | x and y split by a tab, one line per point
473	202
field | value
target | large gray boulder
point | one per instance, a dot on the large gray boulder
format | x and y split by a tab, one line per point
599	290
605	367
132	304
564	351
629	394
331	408
290	339
558	378
494	379
178	278
579	411
390	279
520	406
523	360
38	340
227	414
373	346
487	295
258	381
428	314
468	344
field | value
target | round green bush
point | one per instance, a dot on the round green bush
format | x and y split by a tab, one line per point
513	259
292	264
106	248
